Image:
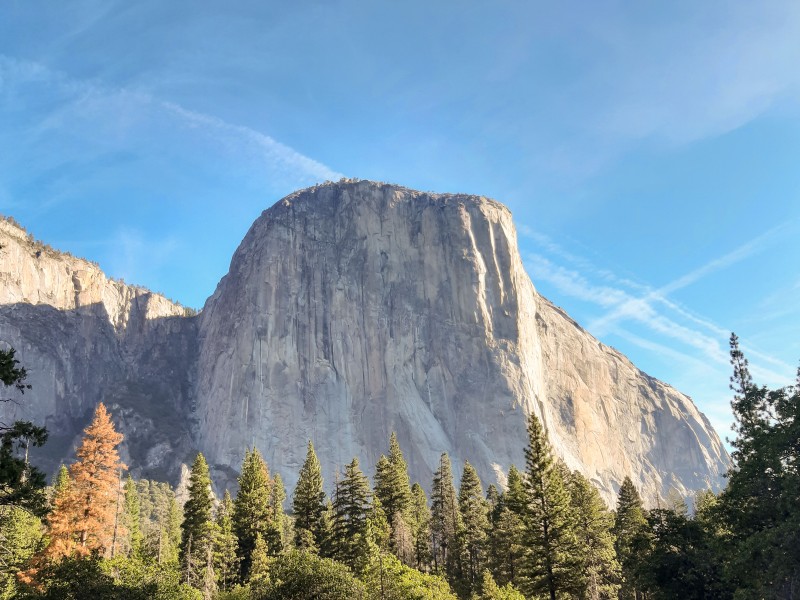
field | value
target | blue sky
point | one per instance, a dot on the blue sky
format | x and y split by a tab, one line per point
650	152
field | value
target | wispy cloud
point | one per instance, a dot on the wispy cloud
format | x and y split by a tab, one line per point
648	318
109	119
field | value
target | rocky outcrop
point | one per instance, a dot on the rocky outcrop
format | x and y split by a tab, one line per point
352	310
85	338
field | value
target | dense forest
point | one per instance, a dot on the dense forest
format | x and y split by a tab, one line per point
96	533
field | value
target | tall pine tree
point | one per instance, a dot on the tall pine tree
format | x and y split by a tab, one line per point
351	508
226	563
445	521
132	518
420	522
475	521
252	513
601	571
553	568
308	503
630	524
197	529
506	539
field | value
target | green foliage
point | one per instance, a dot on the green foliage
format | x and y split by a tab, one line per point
392	485
351	507
506	553
473	536
420	524
20	538
253	514
21	484
11	374
118	579
387	578
132	517
599	566
676	559
308	504
197	529
553	566
304	576
630	524
491	591
759	507
226	563
445	521
259	566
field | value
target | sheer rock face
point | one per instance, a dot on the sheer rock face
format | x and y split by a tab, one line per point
350	310
356	309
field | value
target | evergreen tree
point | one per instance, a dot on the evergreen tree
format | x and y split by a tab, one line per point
283	534
351	507
20	538
132	518
506	544
552	568
392	484
630	524
420	523
259	565
252	513
759	507
601	571
226	563
445	521
473	533
21	484
60	484
491	591
197	531
308	504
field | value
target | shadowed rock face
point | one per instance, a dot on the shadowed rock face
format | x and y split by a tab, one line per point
352	310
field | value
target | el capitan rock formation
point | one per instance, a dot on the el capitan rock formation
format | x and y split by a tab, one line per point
350	310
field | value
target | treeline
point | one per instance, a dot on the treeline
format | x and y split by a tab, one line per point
547	534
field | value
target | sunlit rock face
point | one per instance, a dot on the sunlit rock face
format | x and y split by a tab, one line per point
355	309
350	310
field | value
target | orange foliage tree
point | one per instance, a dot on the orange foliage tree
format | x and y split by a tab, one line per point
84	516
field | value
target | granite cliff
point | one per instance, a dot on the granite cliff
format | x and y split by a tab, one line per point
350	310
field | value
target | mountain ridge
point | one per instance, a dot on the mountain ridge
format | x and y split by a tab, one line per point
343	237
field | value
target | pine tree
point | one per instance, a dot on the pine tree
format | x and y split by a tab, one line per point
506	539
197	530
393	487
252	513
759	507
473	533
630	523
445	521
132	518
491	591
259	565
552	565
351	508
308	503
60	484
601	571
226	563
280	531
420	523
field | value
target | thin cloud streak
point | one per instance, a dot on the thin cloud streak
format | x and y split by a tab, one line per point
93	100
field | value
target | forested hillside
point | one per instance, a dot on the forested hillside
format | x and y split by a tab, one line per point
97	533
